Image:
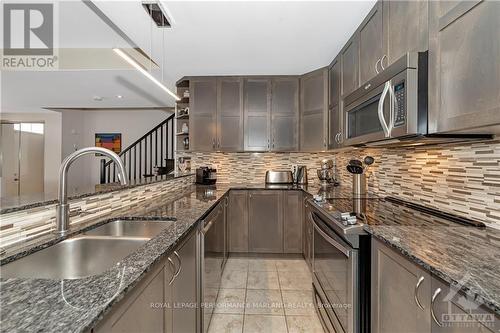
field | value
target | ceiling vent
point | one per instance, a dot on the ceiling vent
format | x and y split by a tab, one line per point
157	13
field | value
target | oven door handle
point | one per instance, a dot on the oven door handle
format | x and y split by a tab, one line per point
330	240
381	118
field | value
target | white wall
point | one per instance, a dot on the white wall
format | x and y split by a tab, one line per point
52	146
79	128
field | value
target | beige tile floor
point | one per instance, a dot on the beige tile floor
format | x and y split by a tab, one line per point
265	295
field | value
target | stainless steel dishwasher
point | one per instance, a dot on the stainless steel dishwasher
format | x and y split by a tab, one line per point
214	257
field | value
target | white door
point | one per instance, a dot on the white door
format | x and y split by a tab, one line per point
22	159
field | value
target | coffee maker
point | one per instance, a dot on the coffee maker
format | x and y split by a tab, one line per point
206	176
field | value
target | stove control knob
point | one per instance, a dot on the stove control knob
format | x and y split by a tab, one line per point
352	220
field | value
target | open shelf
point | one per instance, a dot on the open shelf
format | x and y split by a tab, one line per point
183	119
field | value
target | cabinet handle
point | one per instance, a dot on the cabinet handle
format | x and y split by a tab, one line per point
415	294
173	275
382	62
376	66
341	139
267	143
368	86
213	143
180	264
436	293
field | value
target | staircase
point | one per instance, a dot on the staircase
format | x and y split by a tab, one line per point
153	149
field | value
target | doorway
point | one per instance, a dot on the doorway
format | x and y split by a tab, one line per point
21	158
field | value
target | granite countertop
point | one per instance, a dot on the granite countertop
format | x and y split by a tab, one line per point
49	305
40	304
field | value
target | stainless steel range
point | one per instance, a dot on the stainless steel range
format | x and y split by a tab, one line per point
340	263
341	253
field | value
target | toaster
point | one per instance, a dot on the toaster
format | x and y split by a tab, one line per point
279	177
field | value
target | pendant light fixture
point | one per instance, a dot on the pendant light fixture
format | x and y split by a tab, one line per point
143	70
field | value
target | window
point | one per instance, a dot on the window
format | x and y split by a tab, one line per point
36	128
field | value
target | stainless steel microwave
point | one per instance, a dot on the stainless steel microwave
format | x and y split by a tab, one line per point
392	105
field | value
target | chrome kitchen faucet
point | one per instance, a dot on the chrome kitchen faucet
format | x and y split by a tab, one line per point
62	208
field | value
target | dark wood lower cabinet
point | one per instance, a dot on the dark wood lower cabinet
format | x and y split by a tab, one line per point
395	295
293	208
169	283
185	289
455	313
307	236
137	304
407	298
237	218
265	221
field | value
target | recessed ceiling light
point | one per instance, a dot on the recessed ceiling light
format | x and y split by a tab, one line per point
119	96
97	98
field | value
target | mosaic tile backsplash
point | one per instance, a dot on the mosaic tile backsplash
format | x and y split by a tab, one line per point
29	224
462	179
236	168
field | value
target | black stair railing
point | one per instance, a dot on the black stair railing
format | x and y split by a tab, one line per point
153	149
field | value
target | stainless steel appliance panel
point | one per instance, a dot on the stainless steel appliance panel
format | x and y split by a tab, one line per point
214	256
388	107
335	276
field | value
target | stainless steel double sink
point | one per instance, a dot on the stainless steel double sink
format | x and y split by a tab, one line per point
89	253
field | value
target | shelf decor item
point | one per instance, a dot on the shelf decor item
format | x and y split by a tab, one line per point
111	141
184	164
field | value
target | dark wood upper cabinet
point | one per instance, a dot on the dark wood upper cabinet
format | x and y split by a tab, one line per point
350	65
405	28
334	108
313	110
464	66
203	110
257	109
371	45
285	114
230	114
334	73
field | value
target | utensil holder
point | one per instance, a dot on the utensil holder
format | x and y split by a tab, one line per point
358	185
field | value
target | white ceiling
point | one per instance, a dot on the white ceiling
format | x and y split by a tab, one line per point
207	38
